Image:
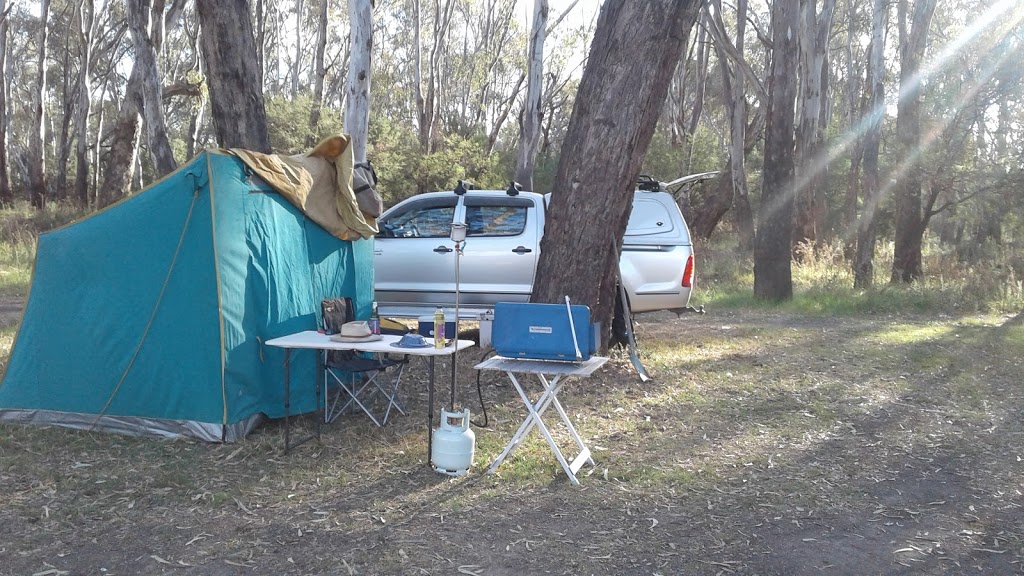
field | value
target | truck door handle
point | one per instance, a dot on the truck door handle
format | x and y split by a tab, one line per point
521	250
442	249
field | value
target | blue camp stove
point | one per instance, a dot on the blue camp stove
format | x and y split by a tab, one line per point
544	331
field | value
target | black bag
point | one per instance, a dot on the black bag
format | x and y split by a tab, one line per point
364	184
334	312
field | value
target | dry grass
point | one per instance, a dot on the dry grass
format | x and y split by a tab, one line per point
769	443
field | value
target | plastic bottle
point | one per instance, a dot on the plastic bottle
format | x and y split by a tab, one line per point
439	328
374	322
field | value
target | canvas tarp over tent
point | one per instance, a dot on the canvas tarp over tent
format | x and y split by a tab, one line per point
149	317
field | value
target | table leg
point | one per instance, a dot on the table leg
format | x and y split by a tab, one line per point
535	411
430	411
287	395
321	361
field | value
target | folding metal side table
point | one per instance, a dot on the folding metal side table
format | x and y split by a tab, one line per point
549	396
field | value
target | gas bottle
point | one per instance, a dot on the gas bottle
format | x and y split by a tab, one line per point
453	444
439	328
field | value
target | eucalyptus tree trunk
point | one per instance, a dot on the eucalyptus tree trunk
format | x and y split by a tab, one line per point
6	194
773	275
236	94
811	156
720	197
503	110
37	153
529	133
417	73
297	64
261	41
125	133
86	33
319	72
357	103
428	104
910	222
867	227
609	131
851	101
145	21
194	126
703	59
58	184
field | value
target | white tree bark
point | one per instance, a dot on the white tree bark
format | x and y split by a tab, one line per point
814	33
145	21
37	154
417	71
300	7
87	30
357	103
319	71
6	195
529	133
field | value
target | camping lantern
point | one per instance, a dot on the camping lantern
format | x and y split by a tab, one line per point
453	445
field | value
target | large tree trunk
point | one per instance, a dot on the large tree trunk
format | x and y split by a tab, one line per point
609	131
37	154
773	278
910	225
357	104
863	264
236	94
529	133
145	21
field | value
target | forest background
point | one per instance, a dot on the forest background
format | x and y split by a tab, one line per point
450	88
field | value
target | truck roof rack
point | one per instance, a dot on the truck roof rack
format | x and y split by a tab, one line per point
648	184
462	186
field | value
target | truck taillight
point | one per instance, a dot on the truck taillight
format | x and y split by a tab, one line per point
688	273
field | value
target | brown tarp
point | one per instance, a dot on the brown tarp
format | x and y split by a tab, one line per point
319	183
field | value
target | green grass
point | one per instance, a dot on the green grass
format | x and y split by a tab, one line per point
823	284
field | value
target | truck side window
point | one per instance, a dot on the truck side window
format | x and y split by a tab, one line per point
431	219
496	216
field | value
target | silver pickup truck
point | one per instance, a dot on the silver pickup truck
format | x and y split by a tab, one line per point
415	260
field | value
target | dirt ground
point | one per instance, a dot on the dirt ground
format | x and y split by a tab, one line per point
767	444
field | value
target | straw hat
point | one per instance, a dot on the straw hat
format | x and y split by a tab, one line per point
358	331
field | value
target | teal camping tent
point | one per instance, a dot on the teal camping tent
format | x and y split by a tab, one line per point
150	317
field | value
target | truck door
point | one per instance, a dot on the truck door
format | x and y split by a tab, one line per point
500	255
414	259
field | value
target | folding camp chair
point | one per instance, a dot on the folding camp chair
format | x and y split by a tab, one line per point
361	381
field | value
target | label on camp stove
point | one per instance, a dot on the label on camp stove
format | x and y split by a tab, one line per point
540	329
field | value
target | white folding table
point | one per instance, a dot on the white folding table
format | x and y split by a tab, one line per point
314	340
560	372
